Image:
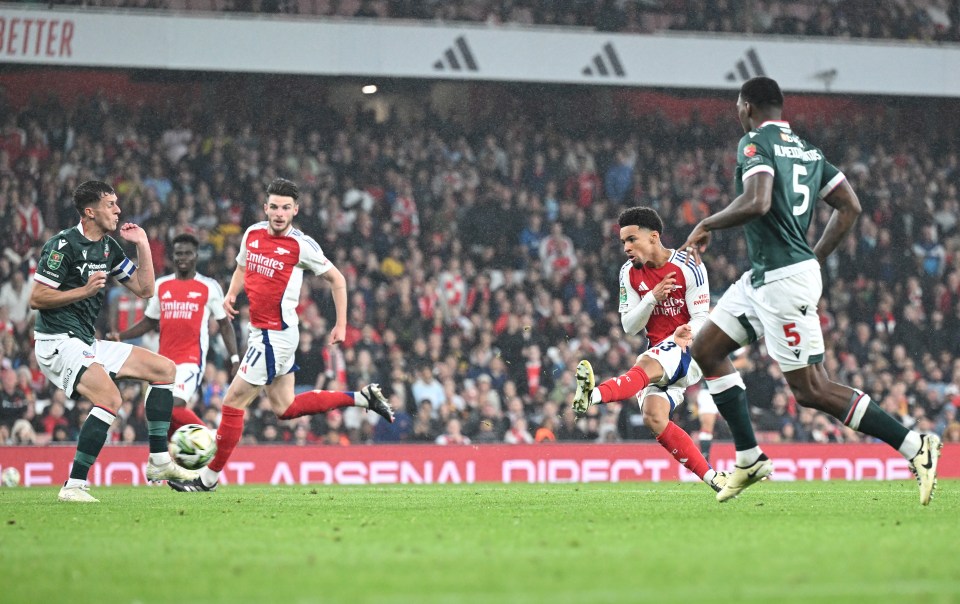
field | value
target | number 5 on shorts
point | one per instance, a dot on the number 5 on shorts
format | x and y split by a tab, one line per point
791	333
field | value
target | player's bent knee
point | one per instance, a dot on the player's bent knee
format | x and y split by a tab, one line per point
169	369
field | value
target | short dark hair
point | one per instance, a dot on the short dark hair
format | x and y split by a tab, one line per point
643	217
90	193
283	188
187	238
762	92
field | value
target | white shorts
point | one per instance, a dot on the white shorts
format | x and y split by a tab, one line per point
64	359
188	380
269	353
783	311
679	371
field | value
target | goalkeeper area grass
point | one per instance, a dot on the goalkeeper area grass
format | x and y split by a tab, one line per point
562	543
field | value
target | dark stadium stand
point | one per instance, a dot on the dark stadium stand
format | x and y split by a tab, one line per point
920	20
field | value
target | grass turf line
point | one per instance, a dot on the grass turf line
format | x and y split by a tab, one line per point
576	543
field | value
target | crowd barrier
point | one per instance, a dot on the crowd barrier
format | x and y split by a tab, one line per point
426	464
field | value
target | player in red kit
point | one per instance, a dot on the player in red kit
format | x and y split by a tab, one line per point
181	311
663	291
270	264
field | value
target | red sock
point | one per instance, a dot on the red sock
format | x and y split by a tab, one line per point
623	387
181	416
228	435
317	401
683	449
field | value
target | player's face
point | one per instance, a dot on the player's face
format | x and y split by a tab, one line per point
184	257
106	214
743	113
640	245
280	212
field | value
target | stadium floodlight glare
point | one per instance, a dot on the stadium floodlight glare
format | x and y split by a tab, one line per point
369	89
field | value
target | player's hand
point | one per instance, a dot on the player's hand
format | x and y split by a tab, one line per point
95	282
113	336
337	334
228	306
697	242
234	368
663	289
683	335
133	233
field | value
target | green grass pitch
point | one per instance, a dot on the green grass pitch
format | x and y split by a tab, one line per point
565	543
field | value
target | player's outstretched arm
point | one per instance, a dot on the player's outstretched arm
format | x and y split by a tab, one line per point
143	326
230	341
846	210
142	282
44	297
236	286
338	287
755	201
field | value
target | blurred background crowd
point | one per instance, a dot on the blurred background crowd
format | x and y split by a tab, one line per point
482	256
918	20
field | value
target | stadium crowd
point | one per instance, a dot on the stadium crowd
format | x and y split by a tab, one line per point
481	259
916	20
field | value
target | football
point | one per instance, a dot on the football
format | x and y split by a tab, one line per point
10	477
193	446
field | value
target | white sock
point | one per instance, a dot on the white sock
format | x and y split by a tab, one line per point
748	457
73	483
209	477
595	396
911	445
709	476
360	401
160	459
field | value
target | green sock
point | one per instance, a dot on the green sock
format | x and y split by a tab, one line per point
732	404
877	423
159	405
93	433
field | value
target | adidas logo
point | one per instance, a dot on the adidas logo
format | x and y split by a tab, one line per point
166	295
743	72
254	244
603	67
457	58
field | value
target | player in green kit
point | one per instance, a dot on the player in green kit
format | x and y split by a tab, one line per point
779	179
68	291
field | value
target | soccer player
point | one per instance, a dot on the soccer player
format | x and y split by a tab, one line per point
68	291
672	310
181	312
779	178
270	264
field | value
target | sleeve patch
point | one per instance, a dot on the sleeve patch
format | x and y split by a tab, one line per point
54	260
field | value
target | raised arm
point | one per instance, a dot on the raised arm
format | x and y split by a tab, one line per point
142	281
